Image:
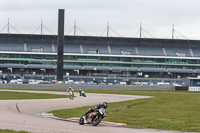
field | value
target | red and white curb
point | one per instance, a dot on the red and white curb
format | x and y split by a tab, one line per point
50	115
102	122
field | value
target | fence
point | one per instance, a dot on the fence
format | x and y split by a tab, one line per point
99	87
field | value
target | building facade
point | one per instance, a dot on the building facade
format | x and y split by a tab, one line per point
100	56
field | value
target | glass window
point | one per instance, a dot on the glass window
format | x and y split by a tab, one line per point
37	56
4	56
66	57
25	56
115	59
126	59
137	60
48	57
104	58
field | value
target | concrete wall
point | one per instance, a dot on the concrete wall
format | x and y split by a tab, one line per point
103	87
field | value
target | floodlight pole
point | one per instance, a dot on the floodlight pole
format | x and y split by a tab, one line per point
8	26
41	26
140	30
74	27
173	31
108	29
60	45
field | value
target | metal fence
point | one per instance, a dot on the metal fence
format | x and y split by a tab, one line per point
99	87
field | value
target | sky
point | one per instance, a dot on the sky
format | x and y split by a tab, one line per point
157	17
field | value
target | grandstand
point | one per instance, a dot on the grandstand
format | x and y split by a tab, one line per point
100	56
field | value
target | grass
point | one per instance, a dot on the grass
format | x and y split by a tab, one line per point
28	89
6	95
11	131
178	112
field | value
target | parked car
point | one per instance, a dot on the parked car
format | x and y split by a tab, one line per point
32	81
91	83
45	82
136	83
102	83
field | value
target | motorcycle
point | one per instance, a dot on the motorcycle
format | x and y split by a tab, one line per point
82	93
71	96
93	118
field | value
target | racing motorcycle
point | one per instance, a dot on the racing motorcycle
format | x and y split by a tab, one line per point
93	118
71	96
83	93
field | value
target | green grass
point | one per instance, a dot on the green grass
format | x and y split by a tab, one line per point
11	131
179	112
29	89
6	95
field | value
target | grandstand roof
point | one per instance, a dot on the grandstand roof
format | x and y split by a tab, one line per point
99	40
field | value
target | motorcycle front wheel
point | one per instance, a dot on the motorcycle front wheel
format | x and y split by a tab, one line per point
96	120
81	121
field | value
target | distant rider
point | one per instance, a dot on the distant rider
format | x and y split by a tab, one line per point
70	90
80	91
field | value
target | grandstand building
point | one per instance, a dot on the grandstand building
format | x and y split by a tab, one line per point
100	56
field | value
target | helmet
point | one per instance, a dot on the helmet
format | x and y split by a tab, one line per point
70	87
105	104
80	89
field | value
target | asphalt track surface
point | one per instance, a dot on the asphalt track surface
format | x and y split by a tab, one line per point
23	115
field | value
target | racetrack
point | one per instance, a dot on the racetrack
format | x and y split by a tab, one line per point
22	115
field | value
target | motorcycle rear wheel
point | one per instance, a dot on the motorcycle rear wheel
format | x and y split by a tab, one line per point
96	120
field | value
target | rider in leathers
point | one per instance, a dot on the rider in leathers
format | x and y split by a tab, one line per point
96	108
80	91
70	90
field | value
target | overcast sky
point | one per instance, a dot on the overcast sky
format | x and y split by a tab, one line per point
92	16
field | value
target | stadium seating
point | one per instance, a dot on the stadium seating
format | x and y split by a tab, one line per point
42	66
103	68
39	47
73	67
120	49
176	70
89	68
196	52
124	68
12	65
95	49
100	49
172	51
71	48
197	70
146	69
152	51
96	68
12	47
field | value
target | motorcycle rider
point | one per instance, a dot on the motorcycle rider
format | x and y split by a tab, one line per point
96	108
80	91
70	90
71	95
